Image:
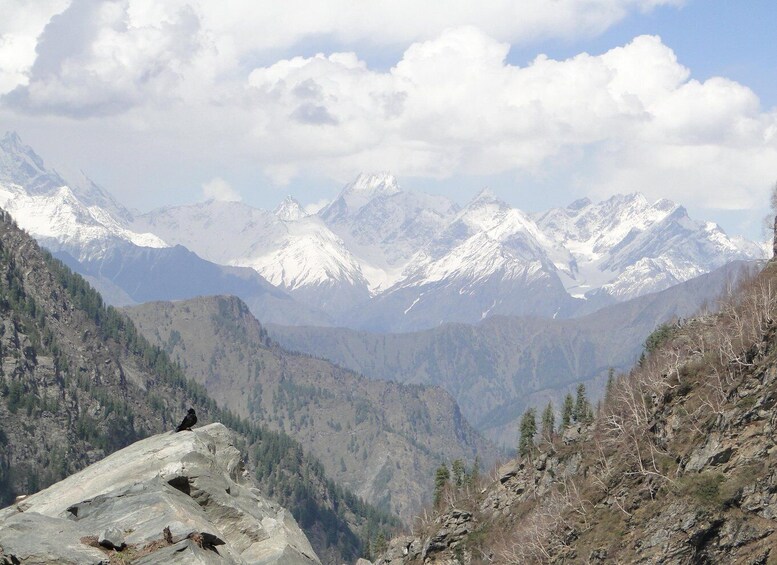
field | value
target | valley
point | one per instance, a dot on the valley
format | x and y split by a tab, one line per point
381	439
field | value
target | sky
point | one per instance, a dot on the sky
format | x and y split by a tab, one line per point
169	103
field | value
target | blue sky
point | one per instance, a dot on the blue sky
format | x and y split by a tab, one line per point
711	37
170	103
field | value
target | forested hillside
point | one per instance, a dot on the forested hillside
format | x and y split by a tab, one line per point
382	439
77	381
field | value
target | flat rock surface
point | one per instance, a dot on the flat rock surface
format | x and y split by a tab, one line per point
173	498
33	538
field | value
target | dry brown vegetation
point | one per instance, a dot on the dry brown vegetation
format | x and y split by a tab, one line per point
583	499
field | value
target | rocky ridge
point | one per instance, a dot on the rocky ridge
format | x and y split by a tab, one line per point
676	467
170	498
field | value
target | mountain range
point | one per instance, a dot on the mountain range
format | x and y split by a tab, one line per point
377	258
499	367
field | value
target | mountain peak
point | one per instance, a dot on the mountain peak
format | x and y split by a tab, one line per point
361	191
630	198
580	203
486	197
382	183
10	139
20	165
664	205
290	210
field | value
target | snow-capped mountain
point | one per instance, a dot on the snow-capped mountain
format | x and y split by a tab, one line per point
86	227
290	210
626	247
384	226
379	256
293	251
487	259
80	217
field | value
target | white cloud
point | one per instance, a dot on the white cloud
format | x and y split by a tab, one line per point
21	24
452	106
95	59
268	25
317	206
219	189
178	74
104	56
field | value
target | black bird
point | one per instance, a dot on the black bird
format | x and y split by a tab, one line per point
188	421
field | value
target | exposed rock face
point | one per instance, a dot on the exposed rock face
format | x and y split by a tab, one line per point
171	498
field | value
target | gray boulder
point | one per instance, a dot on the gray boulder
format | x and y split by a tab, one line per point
30	537
173	497
112	538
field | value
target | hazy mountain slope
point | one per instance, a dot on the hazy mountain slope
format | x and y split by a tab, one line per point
381	439
677	466
302	255
80	218
77	381
496	368
144	274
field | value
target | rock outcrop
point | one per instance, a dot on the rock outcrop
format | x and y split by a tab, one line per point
171	498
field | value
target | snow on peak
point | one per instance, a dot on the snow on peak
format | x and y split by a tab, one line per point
374	184
290	210
367	187
486	210
20	165
11	139
62	218
664	205
579	204
486	197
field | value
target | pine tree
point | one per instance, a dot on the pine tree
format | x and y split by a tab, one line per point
441	478
459	472
379	546
610	387
528	431
548	422
567	410
474	475
582	410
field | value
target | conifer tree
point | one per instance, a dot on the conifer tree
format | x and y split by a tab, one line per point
528	431
441	478
459	472
548	422
567	410
610	385
474	475
582	410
